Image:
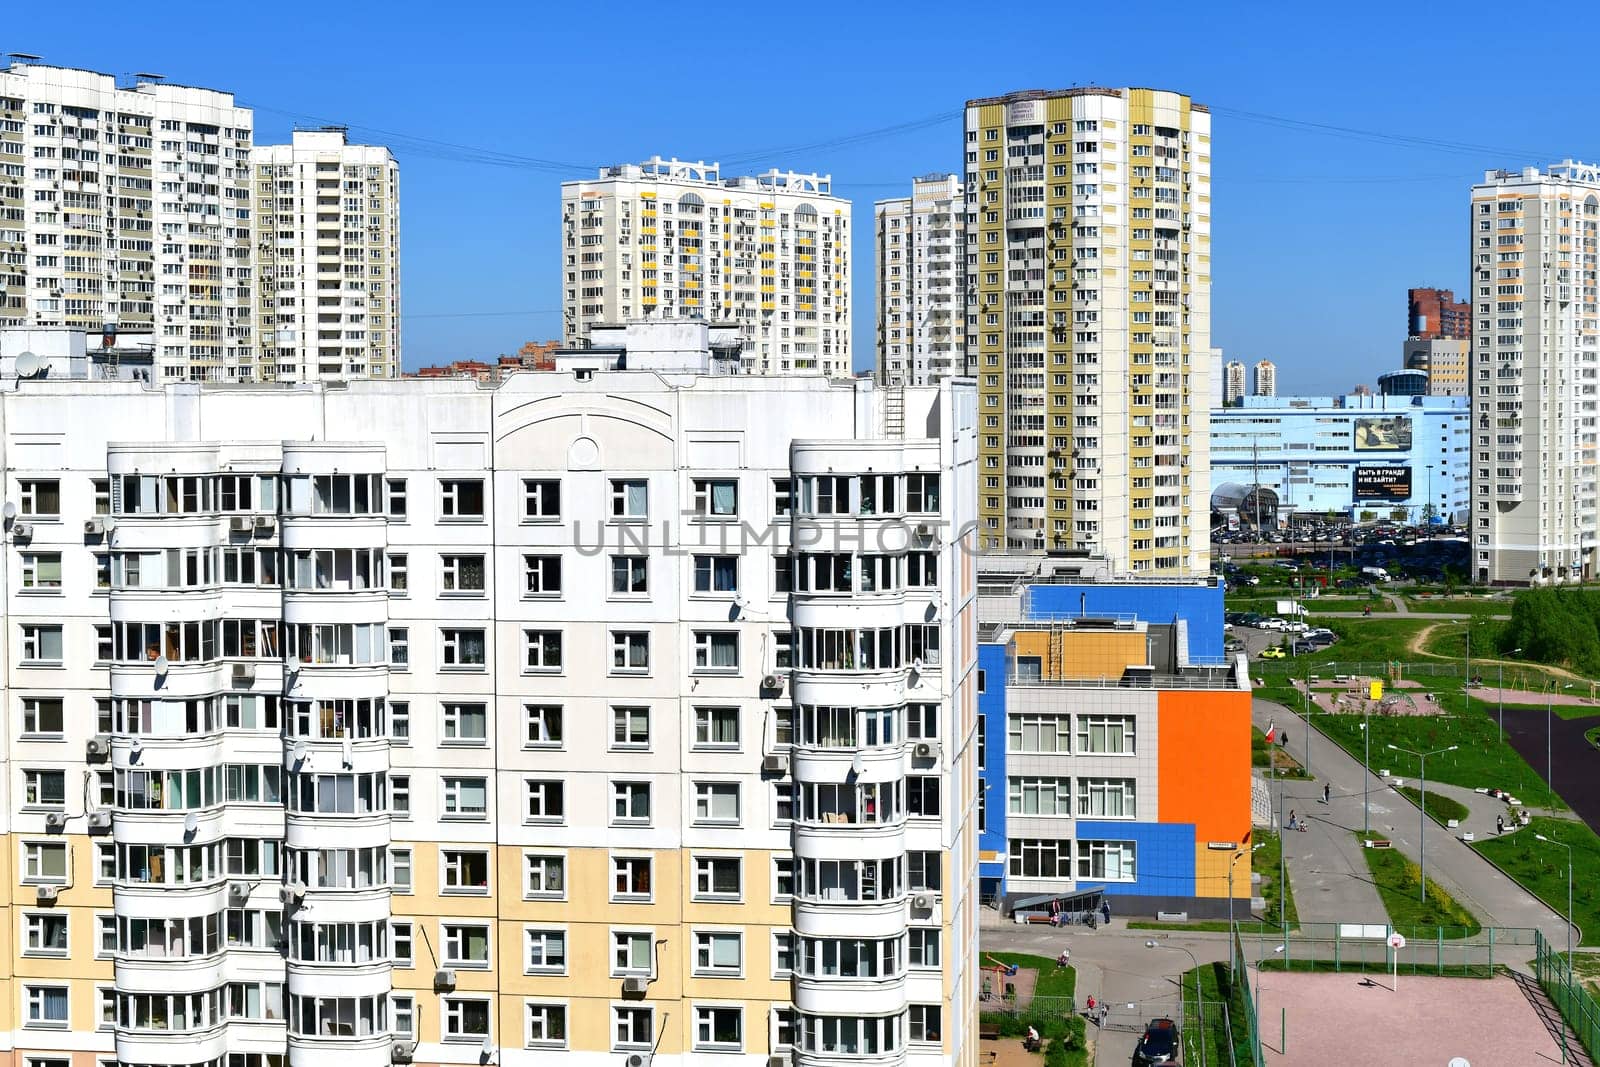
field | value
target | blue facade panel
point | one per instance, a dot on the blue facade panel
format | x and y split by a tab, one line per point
1163	856
1200	605
992	721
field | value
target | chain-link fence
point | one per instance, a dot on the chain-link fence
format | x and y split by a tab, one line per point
1442	951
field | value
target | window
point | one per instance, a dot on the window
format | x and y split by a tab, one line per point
629	575
716	651
630	651
400	648
547	876
718	1027
1040	859
716	574
714	496
41	644
466	724
922	795
782	878
630	802
541	725
43	716
41	498
1105	734
924	1022
922	569
44	861
397	498
46	1004
101	488
106	944
541	499
541	576
716	802
547	1025
717	877
465	798
546	800
718	954
783	945
630	878
461	499
466	871
466	945
463	648
44	789
1107	798
1108	860
463	575
922	871
465	1020
402	943
924	947
400	869
782	803
399	576
1039	796
716	728
922	493
630	498
630	953
782	496
632	1028
541	650
1039	733
546	951
46	935
402	1016
41	571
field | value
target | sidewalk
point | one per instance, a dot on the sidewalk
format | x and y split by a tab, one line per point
1476	883
1326	869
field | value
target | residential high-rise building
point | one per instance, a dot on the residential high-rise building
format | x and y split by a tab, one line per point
1234	383
327	217
1265	378
921	252
1444	358
129	206
1089	321
414	720
1535	352
667	239
1436	313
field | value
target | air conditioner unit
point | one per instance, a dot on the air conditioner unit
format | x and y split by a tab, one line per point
97	747
238	524
47	893
402	1051
926	750
99	822
639	1059
290	895
635	985
94	527
244	672
238	893
775	765
55	821
773	681
780	1059
22	531
444	980
266	524
924	901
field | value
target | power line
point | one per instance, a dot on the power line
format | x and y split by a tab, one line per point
480	314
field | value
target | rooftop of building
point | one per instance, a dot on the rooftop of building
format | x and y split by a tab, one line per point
701	174
1065	652
1568	170
1352	402
1077	90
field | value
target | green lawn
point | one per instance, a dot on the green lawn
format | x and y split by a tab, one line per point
1441	809
1205	1023
1410	912
1264	861
1480	761
1593	736
1541	867
1261	755
1053	1011
1477	607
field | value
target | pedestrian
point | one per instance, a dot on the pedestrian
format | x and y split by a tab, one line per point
1091	1005
1325	792
1499	825
1292	825
1105	911
1104	1011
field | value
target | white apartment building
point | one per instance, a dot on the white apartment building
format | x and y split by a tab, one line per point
668	239
597	717
1535	363
1265	374
1233	381
128	206
1089	323
327	217
921	250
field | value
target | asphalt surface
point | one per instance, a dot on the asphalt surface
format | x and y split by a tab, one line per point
1575	763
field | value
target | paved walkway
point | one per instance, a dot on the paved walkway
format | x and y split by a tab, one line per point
1476	883
1327	871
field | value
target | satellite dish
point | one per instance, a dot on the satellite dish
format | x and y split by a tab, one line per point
488	1046
109	523
298	752
916	666
191	823
857	765
28	365
9	511
162	664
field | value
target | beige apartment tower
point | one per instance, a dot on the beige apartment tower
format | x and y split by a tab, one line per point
1089	323
920	248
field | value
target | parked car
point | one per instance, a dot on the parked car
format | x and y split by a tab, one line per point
1158	1045
1295	626
1274	652
1303	648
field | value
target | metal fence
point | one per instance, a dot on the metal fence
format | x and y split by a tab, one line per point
1441	951
1576	1004
1247	1050
1292	668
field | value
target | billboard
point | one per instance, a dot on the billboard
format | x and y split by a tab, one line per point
1385	433
1389	483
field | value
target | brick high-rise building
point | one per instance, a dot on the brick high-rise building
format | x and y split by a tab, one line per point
1435	313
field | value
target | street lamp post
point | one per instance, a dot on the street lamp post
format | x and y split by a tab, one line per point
1366	765
1199	1001
1568	847
1422	813
1549	743
1514	651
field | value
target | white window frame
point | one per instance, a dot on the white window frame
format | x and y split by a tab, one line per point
630	559
632	1012
542	788
33	853
31	582
705	796
450	714
451	866
705	881
705	717
535	506
452	939
537	1018
624	866
33	927
450	502
451	642
543	646
541	576
630	937
546	861
619	500
535	719
624	719
452	1017
544	936
705	1026
625	793
704	642
706	945
33	1003
33	635
450	789
452	566
632	648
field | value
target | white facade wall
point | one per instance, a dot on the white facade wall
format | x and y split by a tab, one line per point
668	239
920	269
1266	378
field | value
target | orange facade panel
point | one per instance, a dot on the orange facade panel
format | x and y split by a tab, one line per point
1205	762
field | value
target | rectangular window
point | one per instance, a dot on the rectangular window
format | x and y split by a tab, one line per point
923	871
923	1021
400	721
400	869
630	727
465	945
541	499
630	651
782	496
541	651
783	954
782	879
541	576
547	1025
1039	733
41	571
716	651
1040	858
923	947
44	861
399	575
45	934
922	795
718	1028
402	942
43	717
630	953
716	574
630	803
461	499
546	800
465	1020
1039	796
45	1005
397	498
716	802
463	648
41	645
44	789
41	498
1112	861
546	876
632	1028
629	575
547	951
541	725
630	878
402	1016
630	498
400	648
400	795
718	953
922	493
1109	734
716	877
1107	798
462	575
716	728
466	871
716	496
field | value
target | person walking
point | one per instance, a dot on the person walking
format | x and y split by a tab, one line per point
1325	792
1105	910
1499	825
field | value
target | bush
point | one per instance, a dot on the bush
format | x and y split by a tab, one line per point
1558	626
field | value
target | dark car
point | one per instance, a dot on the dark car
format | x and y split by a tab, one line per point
1159	1045
1304	648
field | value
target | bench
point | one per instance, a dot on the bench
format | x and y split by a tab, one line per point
988	1031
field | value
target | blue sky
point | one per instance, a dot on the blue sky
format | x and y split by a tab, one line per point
1317	231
